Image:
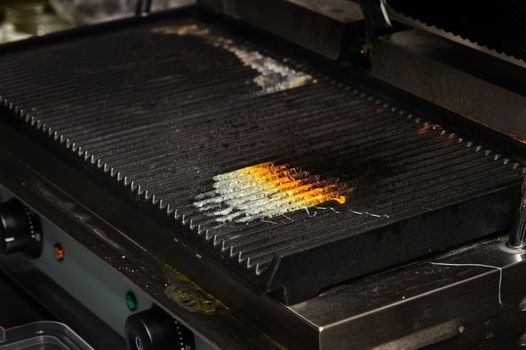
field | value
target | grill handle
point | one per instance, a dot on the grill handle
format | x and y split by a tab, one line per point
518	233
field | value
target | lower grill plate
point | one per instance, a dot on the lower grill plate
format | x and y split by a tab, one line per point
290	180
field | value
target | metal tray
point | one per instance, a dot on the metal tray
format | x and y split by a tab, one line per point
44	335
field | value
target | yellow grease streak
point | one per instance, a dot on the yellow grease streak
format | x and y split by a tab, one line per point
296	187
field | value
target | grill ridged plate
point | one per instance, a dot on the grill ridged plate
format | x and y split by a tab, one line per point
164	107
506	19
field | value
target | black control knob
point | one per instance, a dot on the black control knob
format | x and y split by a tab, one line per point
20	229
154	329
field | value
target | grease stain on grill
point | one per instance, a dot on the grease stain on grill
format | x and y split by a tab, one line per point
267	190
188	294
273	76
428	128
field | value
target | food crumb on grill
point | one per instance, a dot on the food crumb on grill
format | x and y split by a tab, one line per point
268	190
429	127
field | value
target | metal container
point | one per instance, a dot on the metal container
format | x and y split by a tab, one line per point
44	335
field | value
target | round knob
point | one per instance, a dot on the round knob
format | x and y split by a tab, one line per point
154	329
20	229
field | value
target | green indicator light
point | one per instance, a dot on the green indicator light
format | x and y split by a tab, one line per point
131	301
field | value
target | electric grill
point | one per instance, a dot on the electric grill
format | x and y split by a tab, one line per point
286	185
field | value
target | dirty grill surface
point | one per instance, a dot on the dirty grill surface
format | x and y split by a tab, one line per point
309	181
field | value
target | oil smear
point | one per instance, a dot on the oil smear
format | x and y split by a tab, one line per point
267	190
273	75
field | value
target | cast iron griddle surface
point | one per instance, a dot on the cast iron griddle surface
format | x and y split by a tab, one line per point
166	106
